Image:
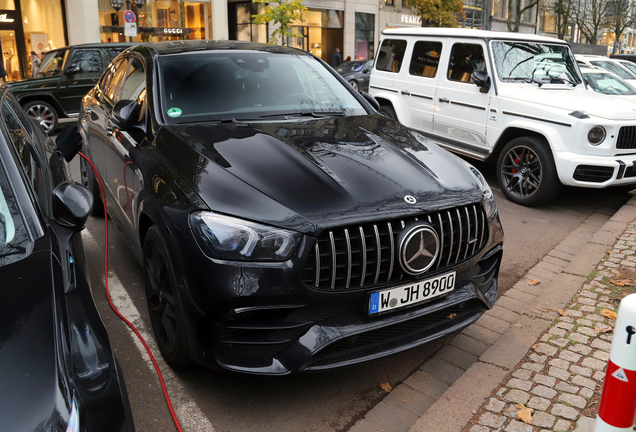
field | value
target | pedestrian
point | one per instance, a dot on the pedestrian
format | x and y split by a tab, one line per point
35	64
336	58
3	71
348	59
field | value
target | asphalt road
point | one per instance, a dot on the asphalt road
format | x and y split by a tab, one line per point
330	401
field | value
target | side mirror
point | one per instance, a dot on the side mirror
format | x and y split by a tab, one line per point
73	69
69	142
126	114
374	103
72	203
481	79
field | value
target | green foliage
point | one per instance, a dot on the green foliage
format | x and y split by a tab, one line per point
438	13
283	13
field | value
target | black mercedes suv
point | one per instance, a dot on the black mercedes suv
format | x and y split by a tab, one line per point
282	223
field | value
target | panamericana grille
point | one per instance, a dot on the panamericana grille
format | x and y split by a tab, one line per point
366	255
626	138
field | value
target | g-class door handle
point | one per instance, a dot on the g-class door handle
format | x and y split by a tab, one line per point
109	130
406	92
444	100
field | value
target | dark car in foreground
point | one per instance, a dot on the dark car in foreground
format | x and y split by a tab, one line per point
64	77
357	73
57	370
282	223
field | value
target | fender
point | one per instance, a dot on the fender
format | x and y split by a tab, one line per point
552	136
385	98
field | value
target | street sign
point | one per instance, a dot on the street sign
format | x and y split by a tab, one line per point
129	16
130	29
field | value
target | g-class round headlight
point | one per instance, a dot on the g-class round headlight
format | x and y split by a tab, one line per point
596	135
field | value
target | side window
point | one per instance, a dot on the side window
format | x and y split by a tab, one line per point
89	63
135	81
464	60
425	58
115	81
52	64
27	154
391	55
114	52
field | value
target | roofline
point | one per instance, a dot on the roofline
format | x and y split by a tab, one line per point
470	33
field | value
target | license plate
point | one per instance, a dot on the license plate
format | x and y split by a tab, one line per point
405	295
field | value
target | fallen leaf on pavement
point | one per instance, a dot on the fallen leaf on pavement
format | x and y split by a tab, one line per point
386	387
524	414
610	314
451	316
621	282
561	312
533	282
597	329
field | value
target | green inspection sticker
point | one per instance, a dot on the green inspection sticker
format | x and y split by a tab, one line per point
174	112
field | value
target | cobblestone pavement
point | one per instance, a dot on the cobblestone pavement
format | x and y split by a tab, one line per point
560	379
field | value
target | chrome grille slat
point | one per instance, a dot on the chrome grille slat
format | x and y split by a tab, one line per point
364	256
349	261
317	252
392	247
347	255
379	253
467	232
333	260
450	248
441	237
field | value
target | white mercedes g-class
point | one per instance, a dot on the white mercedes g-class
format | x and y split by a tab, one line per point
513	98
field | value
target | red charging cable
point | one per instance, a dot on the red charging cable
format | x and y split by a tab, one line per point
112	306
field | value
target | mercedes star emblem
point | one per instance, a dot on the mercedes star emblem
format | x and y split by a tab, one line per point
419	249
410	199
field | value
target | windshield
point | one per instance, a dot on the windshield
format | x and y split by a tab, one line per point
534	62
629	65
249	86
607	83
13	235
350	67
52	63
614	68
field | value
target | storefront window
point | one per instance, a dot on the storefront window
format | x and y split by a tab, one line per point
322	33
158	21
43	29
365	30
242	25
7	5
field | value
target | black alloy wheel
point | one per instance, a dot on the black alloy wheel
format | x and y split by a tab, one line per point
164	302
90	181
42	113
526	172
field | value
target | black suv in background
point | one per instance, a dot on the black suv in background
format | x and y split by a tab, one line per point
66	75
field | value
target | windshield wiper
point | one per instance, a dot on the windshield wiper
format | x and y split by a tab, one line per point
314	114
528	80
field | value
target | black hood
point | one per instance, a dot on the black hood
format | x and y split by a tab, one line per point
30	397
309	175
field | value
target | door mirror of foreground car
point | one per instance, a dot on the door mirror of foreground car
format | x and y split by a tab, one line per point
374	103
481	79
72	69
126	114
72	203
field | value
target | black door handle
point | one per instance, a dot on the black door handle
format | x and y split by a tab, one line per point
444	100
406	92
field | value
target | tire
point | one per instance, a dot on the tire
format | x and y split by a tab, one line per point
90	181
526	172
43	113
355	85
388	111
164	301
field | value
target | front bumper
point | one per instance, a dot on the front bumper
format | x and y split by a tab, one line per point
595	171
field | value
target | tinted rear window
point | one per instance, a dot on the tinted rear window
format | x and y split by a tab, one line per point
391	55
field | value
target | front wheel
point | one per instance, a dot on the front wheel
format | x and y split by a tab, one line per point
164	301
355	85
526	172
42	113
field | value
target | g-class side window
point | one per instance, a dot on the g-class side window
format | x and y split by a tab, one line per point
391	55
465	59
425	58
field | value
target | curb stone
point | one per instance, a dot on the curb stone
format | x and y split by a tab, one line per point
506	332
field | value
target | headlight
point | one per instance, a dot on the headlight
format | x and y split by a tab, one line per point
596	135
488	199
233	239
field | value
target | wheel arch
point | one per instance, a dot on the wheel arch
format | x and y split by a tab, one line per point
511	132
49	99
393	102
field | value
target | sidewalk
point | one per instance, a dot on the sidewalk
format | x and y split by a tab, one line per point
525	351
